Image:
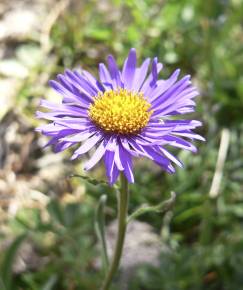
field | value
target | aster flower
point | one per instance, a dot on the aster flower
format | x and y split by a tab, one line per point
126	113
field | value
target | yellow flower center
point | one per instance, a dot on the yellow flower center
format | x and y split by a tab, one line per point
120	111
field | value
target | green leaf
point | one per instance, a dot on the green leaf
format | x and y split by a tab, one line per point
100	229
90	180
101	34
8	261
71	214
2	285
50	282
162	207
56	211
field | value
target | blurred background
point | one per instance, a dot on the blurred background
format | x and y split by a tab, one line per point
47	238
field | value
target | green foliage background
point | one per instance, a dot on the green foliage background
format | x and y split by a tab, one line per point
204	235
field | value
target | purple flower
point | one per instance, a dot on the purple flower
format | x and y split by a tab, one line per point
125	114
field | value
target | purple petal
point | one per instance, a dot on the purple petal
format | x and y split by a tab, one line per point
60	134
163	85
114	73
159	159
64	109
189	134
127	147
50	128
75	123
64	82
61	146
182	111
117	159
79	82
129	68
171	94
80	99
56	136
150	83
179	102
111	170
68	95
95	83
105	77
98	154
87	145
79	137
150	152
114	147
126	162
151	138
76	106
183	124
168	155
140	75
179	143
137	148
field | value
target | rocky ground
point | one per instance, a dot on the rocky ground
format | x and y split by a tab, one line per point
29	176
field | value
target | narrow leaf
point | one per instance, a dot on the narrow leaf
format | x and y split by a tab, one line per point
162	207
50	283
100	229
92	181
55	211
2	286
8	261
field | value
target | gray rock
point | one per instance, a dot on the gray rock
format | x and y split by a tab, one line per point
142	246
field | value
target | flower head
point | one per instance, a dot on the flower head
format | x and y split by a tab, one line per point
126	113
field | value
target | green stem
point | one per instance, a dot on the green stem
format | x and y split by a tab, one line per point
123	198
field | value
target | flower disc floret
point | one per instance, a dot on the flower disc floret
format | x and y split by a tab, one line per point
120	111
